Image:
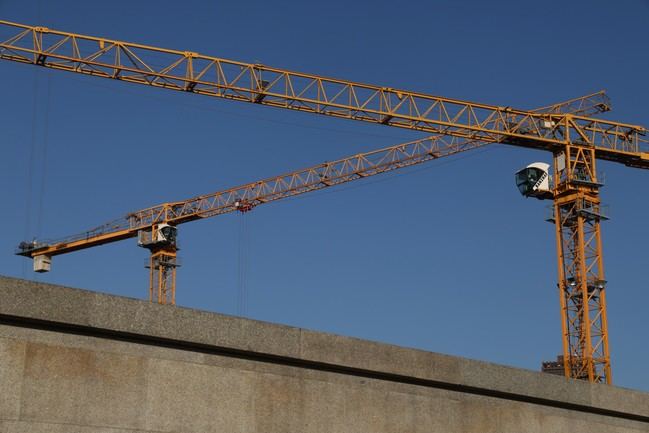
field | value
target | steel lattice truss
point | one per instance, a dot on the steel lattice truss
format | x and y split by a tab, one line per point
193	72
582	283
588	105
245	197
583	291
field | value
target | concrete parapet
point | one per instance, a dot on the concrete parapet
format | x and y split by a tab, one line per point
73	360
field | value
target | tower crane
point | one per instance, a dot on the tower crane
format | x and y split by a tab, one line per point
576	142
155	226
156	230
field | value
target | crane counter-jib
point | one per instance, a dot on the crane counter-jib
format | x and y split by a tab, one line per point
35	248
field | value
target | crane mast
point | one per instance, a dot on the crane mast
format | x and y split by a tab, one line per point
575	140
582	283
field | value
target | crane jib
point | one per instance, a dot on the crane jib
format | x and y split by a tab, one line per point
256	83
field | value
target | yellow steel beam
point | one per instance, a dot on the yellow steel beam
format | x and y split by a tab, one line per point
192	72
247	196
587	105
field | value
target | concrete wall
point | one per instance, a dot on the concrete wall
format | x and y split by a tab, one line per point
75	361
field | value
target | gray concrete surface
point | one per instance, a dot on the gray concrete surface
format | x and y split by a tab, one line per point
78	361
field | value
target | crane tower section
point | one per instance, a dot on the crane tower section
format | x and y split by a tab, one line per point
582	284
576	214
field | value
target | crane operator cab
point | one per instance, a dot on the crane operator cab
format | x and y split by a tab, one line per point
534	181
167	234
157	236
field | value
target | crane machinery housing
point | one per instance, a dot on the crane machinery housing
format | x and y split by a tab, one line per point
575	139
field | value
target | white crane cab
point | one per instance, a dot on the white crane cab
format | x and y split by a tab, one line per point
157	236
534	181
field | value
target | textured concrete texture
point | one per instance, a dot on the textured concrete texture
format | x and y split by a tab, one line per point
77	361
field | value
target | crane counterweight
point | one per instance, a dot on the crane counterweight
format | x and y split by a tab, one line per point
42	264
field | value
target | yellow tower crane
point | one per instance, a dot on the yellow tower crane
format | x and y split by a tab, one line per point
155	226
575	140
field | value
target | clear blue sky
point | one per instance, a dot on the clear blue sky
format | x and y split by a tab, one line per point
446	257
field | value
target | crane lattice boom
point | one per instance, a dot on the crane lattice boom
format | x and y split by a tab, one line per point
212	76
247	196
